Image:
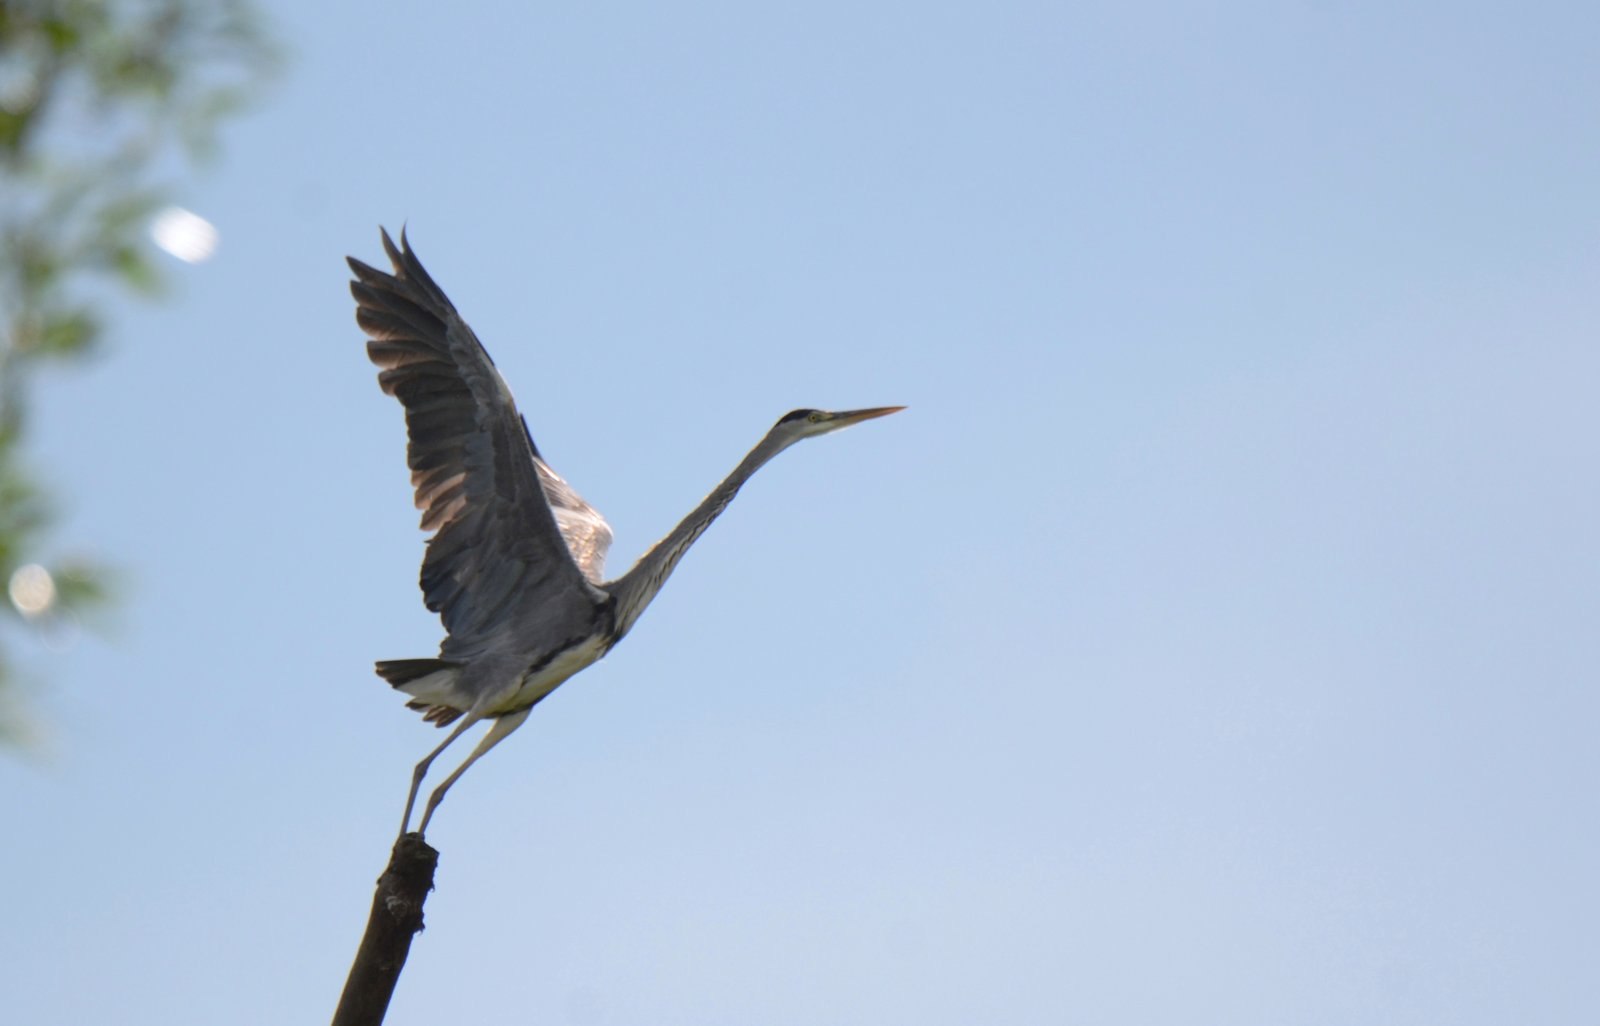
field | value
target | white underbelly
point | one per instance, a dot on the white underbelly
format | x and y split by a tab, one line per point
536	685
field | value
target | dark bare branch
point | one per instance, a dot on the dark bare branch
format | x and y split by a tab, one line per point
396	917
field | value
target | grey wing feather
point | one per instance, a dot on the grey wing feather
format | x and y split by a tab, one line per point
478	481
585	531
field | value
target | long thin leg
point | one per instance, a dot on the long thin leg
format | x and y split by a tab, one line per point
497	733
422	767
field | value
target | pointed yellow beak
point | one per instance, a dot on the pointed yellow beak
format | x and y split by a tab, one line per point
849	417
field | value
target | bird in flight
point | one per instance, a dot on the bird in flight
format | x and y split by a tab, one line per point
514	567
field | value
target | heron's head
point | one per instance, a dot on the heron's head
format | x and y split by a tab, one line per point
794	426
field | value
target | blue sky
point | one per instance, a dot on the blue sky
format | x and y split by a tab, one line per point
1212	640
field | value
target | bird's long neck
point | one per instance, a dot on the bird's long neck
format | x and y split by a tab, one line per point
635	589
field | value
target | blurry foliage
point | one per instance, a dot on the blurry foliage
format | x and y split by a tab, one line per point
103	107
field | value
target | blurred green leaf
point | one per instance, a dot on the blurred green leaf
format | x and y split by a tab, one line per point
82	585
69	333
62	35
136	270
13	126
127	214
101	104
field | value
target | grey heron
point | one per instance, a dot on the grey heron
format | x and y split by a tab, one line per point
514	566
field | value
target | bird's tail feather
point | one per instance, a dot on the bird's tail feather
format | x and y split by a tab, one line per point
431	684
399	672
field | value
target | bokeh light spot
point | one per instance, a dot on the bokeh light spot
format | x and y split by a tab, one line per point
184	234
32	590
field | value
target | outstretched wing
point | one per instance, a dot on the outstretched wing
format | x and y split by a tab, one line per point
585	531
498	557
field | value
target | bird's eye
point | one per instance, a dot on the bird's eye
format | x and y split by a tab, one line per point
815	417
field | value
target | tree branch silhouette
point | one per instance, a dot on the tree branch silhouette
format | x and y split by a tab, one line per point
396	917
